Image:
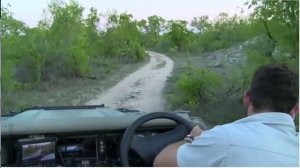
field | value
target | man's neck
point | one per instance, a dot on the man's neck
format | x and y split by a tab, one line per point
252	111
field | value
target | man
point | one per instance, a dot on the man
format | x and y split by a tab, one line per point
266	137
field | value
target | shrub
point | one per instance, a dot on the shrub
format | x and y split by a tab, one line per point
194	87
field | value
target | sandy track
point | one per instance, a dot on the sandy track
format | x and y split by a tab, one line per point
141	90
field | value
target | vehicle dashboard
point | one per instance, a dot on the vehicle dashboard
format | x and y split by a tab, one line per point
96	148
73	136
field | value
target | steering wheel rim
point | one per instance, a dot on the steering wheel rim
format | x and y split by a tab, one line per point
183	125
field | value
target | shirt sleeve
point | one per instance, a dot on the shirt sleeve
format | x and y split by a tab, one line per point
209	149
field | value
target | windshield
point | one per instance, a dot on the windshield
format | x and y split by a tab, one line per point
145	55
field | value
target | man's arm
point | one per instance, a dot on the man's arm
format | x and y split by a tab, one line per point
168	156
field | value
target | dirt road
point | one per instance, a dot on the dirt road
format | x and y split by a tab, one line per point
141	90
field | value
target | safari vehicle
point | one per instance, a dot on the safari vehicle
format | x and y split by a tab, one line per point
89	136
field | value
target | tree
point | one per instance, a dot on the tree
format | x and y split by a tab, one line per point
179	35
151	30
123	38
201	24
94	42
154	29
281	22
67	36
9	25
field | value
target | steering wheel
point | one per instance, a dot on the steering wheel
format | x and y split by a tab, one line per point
148	147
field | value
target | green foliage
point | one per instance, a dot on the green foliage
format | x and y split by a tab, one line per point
68	37
9	25
271	35
195	87
204	36
224	32
201	24
282	18
279	21
8	81
122	39
94	41
64	45
178	35
278	41
151	30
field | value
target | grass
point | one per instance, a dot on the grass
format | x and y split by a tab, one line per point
72	91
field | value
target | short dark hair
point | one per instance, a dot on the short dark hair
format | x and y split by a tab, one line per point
274	87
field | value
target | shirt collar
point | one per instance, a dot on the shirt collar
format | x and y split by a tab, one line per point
269	118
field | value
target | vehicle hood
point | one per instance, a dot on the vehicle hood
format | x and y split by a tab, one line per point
40	121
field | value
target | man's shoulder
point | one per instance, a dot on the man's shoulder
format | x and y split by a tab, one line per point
242	127
216	135
253	132
225	128
227	133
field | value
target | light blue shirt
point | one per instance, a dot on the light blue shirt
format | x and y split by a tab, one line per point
264	139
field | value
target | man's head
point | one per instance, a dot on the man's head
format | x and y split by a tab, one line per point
273	88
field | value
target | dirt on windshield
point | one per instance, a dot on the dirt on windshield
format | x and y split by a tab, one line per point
141	90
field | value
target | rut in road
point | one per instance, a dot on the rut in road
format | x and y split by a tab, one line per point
141	90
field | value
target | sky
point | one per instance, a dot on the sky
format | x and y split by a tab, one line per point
30	11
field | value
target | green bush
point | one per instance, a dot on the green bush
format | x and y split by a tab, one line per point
194	87
7	75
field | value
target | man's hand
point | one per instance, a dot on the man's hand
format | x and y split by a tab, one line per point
168	156
196	131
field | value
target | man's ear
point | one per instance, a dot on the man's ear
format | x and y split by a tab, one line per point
295	111
247	101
